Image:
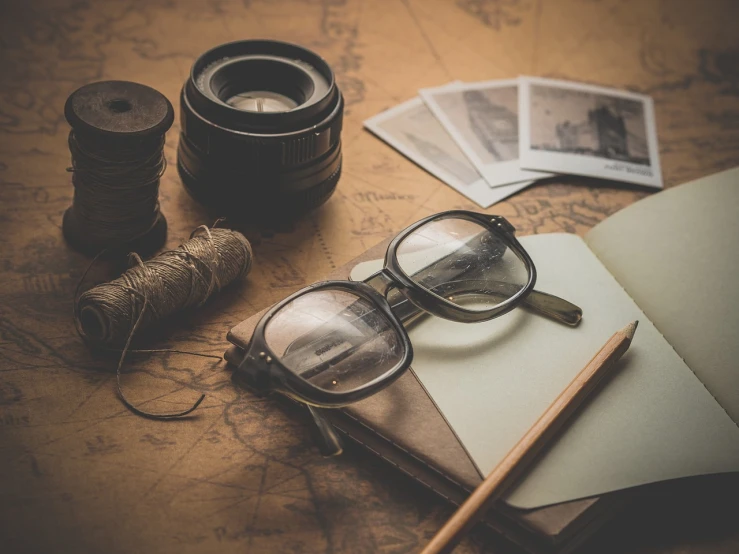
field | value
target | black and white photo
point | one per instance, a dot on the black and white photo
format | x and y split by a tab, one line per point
588	130
413	130
483	120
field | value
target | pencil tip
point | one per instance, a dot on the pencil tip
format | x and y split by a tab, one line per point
630	329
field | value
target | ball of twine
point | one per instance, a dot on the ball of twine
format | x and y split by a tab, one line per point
109	315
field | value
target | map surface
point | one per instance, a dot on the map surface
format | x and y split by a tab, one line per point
82	474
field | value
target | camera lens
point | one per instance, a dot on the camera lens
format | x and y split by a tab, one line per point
261	124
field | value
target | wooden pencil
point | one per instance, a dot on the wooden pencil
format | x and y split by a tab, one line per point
512	466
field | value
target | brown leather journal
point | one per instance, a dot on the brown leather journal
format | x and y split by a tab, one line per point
403	426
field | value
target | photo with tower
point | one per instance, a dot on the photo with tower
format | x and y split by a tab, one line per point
588	123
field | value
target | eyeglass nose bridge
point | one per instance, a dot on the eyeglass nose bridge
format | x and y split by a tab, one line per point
382	281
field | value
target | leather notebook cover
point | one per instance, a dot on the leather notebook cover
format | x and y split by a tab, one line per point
403	425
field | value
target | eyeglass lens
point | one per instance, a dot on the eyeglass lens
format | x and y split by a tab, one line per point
462	261
334	339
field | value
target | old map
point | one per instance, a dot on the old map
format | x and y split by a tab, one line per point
79	473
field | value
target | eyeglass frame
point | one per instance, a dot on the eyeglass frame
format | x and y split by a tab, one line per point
269	373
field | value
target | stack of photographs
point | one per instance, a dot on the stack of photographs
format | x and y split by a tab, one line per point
488	140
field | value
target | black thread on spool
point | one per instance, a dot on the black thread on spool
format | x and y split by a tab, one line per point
116	143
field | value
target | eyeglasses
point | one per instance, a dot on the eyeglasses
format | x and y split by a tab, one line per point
338	342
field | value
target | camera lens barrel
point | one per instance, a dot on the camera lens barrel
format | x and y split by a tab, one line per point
261	130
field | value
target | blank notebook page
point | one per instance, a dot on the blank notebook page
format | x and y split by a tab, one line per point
677	255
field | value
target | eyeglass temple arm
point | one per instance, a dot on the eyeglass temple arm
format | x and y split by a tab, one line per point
545	304
553	307
329	442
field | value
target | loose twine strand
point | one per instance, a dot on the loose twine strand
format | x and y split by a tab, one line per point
116	184
109	315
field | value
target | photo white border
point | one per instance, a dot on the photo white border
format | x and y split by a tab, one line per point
579	164
496	174
479	191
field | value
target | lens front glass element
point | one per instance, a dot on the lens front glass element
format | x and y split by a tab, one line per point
464	262
262	101
334	339
265	85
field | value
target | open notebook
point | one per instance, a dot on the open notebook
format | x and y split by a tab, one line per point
672	410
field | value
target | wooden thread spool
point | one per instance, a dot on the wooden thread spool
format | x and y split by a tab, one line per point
116	141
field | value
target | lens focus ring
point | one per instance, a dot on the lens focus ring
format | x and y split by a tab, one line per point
285	150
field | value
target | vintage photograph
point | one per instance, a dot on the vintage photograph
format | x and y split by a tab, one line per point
581	122
483	119
413	130
588	130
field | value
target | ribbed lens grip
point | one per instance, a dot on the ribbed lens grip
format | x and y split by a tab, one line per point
277	151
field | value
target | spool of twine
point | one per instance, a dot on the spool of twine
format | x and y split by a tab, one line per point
110	314
116	144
